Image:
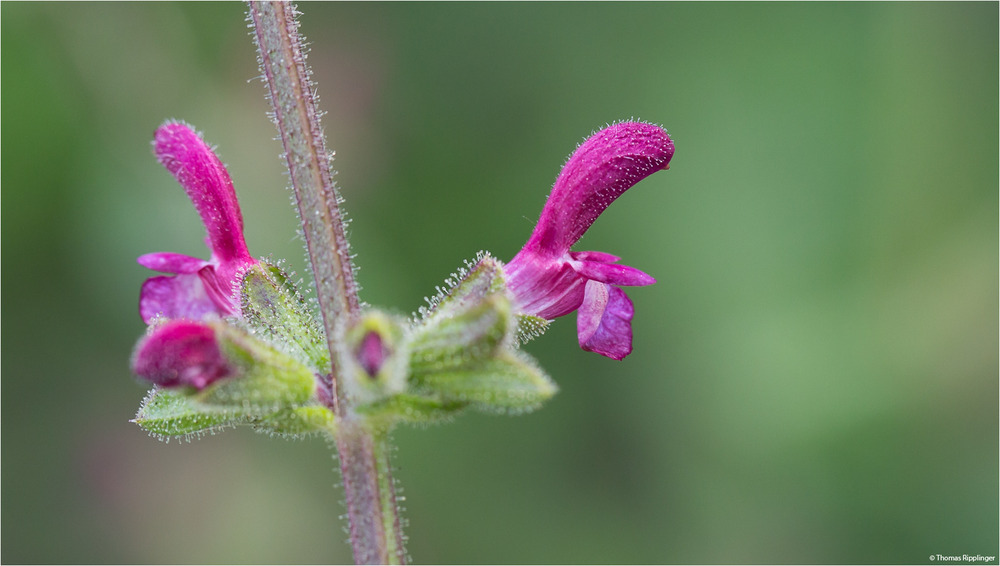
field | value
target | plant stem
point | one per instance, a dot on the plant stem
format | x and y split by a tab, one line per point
283	64
373	514
376	533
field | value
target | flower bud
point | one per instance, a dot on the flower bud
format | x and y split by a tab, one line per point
180	353
214	374
222	365
373	357
372	353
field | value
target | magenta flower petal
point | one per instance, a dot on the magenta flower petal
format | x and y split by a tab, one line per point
613	273
548	280
180	353
604	321
372	353
599	171
544	288
594	256
169	262
179	296
201	288
207	183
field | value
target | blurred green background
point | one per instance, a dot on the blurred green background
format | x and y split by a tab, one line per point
815	375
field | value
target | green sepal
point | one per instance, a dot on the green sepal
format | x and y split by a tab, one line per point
482	279
461	352
472	284
298	421
530	327
467	334
171	413
508	382
274	310
167	412
265	380
412	409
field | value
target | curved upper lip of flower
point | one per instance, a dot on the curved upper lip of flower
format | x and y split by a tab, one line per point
199	286
546	279
600	170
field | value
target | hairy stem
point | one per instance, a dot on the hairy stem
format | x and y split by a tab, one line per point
283	64
376	533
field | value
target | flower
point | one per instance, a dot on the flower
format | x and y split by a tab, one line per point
547	280
180	353
198	288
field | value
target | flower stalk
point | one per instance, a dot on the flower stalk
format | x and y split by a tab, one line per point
375	530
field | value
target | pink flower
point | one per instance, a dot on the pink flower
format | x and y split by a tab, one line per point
180	353
198	288
547	279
